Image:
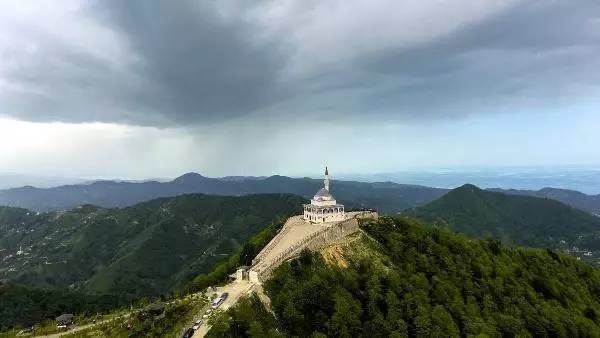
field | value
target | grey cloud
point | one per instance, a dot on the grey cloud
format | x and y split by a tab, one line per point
196	67
193	68
201	67
537	52
61	84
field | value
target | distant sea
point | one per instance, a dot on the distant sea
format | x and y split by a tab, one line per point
584	180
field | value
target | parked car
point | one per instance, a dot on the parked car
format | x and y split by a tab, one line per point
197	324
188	333
217	302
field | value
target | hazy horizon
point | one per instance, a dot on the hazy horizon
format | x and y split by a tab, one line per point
583	179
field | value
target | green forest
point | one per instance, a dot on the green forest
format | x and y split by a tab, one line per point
22	306
149	249
404	278
243	256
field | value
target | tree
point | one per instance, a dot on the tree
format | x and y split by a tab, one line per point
442	323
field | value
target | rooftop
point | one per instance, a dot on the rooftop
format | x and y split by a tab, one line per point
323	194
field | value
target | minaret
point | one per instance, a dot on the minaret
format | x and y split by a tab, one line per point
326	180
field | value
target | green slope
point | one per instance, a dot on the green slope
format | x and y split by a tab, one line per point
146	249
521	220
401	279
21	306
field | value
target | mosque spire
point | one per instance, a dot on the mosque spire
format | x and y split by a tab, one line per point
326	181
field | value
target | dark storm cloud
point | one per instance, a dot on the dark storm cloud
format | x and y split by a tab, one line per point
202	68
195	66
191	67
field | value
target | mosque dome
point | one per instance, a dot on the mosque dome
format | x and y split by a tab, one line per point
323	207
323	195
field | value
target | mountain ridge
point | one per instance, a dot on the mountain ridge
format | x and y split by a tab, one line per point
514	219
148	248
387	197
589	203
109	194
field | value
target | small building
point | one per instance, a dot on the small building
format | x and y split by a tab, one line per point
155	309
65	319
241	273
323	207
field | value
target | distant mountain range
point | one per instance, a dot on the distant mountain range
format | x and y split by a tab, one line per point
576	199
584	179
386	197
12	180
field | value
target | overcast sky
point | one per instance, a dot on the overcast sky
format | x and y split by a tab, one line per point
141	88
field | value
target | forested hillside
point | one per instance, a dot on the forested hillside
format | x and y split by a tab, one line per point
520	220
21	306
146	249
400	278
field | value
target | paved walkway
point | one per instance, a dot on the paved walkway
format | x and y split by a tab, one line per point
298	229
236	290
294	231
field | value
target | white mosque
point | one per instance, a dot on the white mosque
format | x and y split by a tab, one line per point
323	207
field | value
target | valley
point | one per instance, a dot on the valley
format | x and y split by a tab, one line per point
147	249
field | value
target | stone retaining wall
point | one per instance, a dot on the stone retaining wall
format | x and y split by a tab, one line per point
316	240
262	271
